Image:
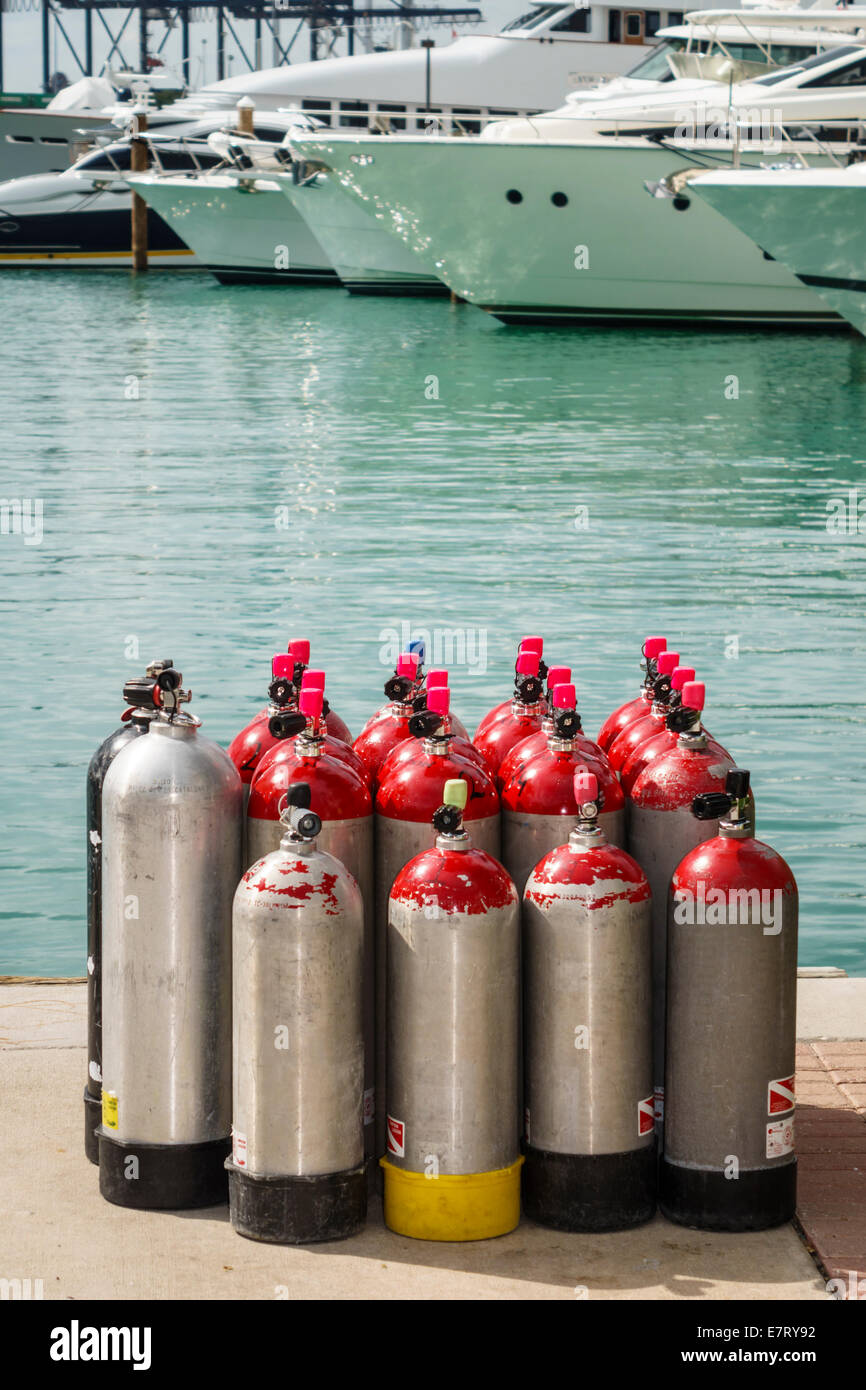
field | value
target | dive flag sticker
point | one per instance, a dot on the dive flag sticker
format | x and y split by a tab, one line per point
780	1096
646	1115
396	1138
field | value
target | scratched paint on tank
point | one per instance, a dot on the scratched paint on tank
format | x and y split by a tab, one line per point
447	875
407	751
592	878
414	789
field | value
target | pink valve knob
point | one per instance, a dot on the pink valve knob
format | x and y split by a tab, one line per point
407	665
528	664
654	646
667	663
564	697
585	786
694	694
558	675
310	703
313	680
300	651
439	699
435	679
282	665
681	675
533	644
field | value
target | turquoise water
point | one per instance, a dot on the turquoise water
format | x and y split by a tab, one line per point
163	526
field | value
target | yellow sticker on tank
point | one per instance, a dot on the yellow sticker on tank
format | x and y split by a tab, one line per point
109	1109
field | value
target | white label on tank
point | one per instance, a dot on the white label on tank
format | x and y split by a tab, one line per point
396	1137
780	1096
780	1138
369	1106
239	1149
95	1071
659	1100
526	1123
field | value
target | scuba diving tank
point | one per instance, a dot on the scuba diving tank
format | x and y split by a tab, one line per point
452	1161
634	709
587	964
728	1161
651	723
424	724
537	742
390	725
299	652
406	798
172	808
538	802
661	830
296	1174
437	680
289	721
534	645
522	719
341	800
138	693
687	698
247	748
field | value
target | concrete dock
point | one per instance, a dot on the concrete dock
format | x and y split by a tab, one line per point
55	1227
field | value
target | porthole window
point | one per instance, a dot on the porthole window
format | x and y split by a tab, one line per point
514	195
559	200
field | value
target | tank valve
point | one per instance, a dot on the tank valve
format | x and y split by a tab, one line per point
733	800
300	822
448	819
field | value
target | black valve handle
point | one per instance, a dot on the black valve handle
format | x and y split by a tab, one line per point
424	723
285	725
681	719
737	783
566	723
169	679
300	795
281	691
711	805
529	689
399	688
447	819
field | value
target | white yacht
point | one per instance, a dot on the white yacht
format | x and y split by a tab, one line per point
550	49
811	220
235	217
81	218
564	229
708	51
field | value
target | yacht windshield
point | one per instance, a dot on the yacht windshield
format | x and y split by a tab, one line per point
655	67
533	18
818	60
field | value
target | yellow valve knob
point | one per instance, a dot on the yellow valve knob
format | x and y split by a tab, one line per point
456	792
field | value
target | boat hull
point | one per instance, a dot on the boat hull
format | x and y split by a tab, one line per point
604	250
812	222
243	231
367	259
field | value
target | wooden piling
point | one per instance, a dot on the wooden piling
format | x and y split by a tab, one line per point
138	163
245	109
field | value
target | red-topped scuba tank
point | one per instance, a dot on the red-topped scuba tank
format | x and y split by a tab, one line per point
647	730
661	830
541	794
537	742
426	722
284	725
633	709
299	652
341	799
436	680
522	719
587	963
452	1165
651	723
407	796
247	748
528	644
389	726
728	1162
686	694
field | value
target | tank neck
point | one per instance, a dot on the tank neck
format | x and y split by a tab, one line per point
692	742
437	745
297	844
736	830
560	745
309	745
184	726
519	709
459	842
585	836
